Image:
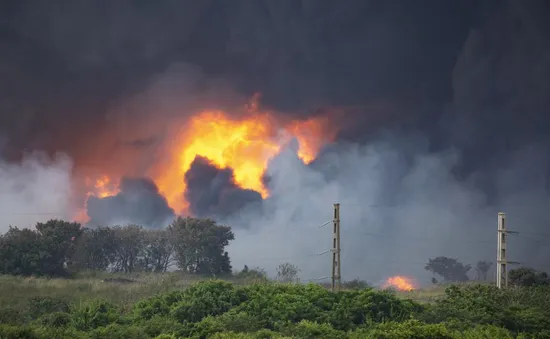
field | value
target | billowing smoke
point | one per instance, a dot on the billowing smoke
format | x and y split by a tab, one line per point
458	89
212	192
138	202
36	189
400	204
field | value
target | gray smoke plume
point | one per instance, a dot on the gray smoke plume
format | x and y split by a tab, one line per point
138	202
460	89
35	190
212	192
400	205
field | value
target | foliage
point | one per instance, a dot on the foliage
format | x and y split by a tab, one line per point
252	275
43	251
527	277
482	268
95	249
199	245
219	309
286	272
449	268
57	247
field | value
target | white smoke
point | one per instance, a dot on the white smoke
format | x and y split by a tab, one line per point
400	205
35	190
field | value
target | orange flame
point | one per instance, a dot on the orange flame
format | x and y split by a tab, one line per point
401	283
245	145
102	187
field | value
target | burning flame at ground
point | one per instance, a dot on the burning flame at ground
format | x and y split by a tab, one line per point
243	144
400	283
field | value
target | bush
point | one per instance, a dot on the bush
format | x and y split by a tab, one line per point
17	332
408	329
117	331
95	314
39	306
204	299
13	316
56	319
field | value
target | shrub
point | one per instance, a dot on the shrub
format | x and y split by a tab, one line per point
56	319
117	331
13	316
39	306
206	298
95	314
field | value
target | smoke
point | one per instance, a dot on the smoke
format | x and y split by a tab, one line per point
400	205
467	127
36	189
212	192
138	202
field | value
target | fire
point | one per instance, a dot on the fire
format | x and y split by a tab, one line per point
401	283
245	145
102	187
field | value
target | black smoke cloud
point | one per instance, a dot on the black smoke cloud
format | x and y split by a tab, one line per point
452	123
212	192
138	202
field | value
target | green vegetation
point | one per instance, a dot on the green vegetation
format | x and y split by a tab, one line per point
174	305
62	281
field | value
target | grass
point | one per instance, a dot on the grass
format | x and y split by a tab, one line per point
16	291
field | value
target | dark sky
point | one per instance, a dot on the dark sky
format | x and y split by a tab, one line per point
64	62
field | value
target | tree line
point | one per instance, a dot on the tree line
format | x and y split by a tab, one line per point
57	248
451	271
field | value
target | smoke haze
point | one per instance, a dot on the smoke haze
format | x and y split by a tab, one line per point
445	122
37	189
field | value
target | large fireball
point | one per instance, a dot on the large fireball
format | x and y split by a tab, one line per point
244	144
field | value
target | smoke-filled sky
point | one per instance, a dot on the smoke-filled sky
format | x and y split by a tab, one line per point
441	122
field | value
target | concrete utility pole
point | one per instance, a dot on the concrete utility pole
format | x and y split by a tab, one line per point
336	282
502	262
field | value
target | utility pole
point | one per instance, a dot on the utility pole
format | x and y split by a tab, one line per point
336	282
502	262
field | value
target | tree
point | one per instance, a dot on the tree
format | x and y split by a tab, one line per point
95	249
482	268
287	272
158	250
199	245
57	244
527	277
128	247
43	251
20	252
451	270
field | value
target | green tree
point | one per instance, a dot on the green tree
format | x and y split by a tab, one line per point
20	252
158	250
95	249
482	268
527	277
57	244
199	245
43	251
286	272
129	241
449	269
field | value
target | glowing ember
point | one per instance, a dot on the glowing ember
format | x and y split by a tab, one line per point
401	283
